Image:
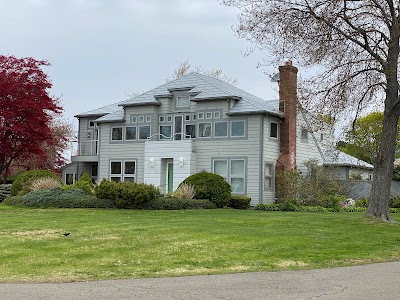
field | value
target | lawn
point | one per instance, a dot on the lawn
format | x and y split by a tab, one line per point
110	244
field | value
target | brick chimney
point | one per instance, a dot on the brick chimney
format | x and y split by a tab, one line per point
288	106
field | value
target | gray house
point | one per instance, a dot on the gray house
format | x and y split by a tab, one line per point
198	123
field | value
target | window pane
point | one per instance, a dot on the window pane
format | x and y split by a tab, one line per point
116	179
237	167
165	132
274	130
204	129
130	167
237	128
130	179
94	170
221	168
221	129
191	130
268	183
144	132
116	167
268	170
182	101
116	134
237	185
69	178
130	133
304	134
178	127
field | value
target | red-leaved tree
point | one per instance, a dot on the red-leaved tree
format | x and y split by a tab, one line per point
26	110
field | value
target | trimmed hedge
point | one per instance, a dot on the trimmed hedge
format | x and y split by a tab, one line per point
240	202
210	186
166	203
24	179
72	198
278	207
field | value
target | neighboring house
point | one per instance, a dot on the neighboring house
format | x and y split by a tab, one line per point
198	123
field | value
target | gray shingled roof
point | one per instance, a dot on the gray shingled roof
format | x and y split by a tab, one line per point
116	116
339	158
101	111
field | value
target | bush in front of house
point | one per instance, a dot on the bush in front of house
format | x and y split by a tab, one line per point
168	203
240	202
126	194
22	181
210	186
73	198
84	183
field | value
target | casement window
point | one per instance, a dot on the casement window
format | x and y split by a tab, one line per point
205	130
182	101
268	176
304	134
123	170
130	133
190	130
220	129
273	131
237	129
144	132
165	132
233	171
116	133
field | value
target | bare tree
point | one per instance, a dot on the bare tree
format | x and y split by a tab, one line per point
355	44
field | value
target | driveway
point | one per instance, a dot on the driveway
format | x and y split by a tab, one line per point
375	282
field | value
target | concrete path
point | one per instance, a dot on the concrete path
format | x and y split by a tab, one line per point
375	282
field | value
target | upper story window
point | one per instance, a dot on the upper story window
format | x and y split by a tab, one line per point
130	133
220	129
92	124
144	132
116	133
237	128
182	101
304	134
273	133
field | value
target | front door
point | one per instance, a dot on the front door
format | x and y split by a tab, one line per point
170	177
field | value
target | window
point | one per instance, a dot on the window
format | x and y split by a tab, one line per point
127	173
148	119
217	115
204	129
208	115
94	170
237	128
187	118
182	101
201	115
194	117
233	171
116	134
237	176
165	132
141	119
116	171
268	176
134	120
70	178
169	118
92	124
161	119
220	129
273	133
304	134
144	132
130	133
190	129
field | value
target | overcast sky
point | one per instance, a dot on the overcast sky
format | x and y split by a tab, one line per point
103	50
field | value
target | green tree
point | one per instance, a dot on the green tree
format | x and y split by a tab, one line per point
355	45
363	140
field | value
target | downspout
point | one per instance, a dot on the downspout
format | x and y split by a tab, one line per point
261	156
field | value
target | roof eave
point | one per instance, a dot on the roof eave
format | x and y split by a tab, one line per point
141	104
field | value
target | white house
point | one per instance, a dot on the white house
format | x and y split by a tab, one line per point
198	123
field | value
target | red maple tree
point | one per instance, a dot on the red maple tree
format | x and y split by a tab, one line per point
26	110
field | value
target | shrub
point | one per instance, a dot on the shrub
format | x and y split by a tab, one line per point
44	183
185	191
5	190
240	202
394	203
164	203
267	207
210	186
126	194
363	202
73	198
21	183
289	205
84	183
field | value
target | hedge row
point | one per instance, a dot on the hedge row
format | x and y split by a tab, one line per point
166	203
279	207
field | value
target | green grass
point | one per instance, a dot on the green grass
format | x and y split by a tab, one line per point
106	244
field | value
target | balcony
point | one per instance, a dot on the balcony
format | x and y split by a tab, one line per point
87	152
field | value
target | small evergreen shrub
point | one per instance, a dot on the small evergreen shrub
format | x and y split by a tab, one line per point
21	182
84	183
165	203
210	186
240	202
107	189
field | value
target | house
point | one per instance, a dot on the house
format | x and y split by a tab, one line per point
198	123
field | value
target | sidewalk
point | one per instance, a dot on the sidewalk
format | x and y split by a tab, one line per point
375	282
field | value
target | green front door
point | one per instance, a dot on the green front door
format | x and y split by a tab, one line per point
170	176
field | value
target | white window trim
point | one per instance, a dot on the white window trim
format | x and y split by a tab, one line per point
244	128
123	175
227	129
229	176
136	135
198	130
177	101
162	137
141	126
270	130
122	133
270	176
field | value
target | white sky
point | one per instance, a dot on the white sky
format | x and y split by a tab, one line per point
103	50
